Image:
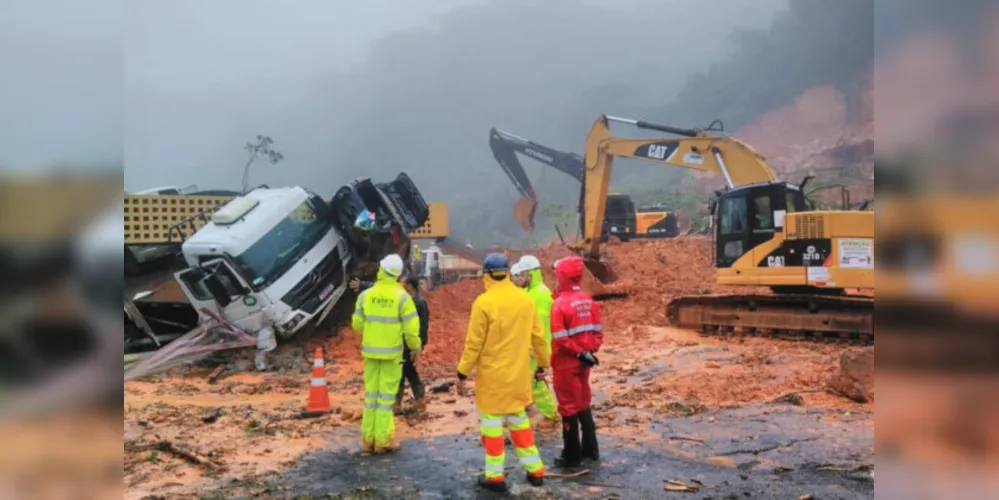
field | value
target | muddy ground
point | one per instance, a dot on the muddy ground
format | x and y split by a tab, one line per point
730	417
740	417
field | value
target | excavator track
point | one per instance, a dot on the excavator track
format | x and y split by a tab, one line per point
838	319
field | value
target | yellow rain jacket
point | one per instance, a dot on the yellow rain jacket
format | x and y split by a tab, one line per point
503	329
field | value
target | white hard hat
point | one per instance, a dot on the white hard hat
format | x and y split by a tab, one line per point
515	269
529	262
392	264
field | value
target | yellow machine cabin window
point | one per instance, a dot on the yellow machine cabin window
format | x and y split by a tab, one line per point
733	216
763	220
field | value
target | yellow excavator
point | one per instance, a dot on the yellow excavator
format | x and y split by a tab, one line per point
621	218
766	233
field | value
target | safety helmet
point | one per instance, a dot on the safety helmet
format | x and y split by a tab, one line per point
529	262
515	269
495	262
392	265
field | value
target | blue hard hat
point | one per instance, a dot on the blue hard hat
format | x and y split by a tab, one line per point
495	262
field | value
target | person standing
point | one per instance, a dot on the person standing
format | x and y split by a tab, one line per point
530	268
409	372
577	333
502	328
416	260
516	276
386	317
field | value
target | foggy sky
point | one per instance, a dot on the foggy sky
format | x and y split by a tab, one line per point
174	89
60	84
334	87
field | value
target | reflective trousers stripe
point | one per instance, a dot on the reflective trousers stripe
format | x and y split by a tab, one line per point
523	441
517	422
381	382
492	422
576	330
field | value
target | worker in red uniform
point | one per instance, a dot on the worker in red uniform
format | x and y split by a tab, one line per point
577	334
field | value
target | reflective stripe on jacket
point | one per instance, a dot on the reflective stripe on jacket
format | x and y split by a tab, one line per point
576	327
386	317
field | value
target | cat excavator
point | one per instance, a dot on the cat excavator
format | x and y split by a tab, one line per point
766	234
621	218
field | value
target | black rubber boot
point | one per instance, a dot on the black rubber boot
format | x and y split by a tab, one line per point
492	486
589	428
570	443
535	481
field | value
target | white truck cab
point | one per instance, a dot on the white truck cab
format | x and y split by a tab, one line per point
269	258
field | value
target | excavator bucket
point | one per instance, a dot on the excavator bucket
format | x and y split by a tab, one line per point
598	279
523	212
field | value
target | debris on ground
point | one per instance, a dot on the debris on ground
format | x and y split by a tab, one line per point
854	377
650	374
679	486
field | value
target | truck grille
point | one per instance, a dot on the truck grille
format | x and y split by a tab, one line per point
305	294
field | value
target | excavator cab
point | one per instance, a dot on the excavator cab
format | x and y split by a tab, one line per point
619	218
747	216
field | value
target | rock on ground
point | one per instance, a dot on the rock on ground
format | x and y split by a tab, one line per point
855	376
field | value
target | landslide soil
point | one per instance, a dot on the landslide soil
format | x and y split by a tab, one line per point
247	422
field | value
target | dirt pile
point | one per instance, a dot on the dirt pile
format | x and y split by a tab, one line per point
651	271
821	131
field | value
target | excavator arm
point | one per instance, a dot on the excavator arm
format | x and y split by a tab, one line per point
696	149
505	147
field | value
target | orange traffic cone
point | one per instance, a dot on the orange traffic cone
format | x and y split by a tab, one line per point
319	395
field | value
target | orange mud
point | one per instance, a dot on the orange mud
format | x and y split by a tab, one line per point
652	272
648	371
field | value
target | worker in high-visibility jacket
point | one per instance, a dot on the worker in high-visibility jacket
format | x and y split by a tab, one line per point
502	328
416	260
386	317
530	267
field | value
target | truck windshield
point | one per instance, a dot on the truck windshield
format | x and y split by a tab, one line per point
271	256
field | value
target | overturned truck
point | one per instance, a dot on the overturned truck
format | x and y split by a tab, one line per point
270	262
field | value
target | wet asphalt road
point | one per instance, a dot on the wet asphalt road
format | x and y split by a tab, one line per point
756	452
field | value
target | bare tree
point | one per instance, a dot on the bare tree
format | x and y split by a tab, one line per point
261	148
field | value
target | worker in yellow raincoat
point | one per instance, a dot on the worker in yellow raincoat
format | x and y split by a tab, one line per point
386	317
503	328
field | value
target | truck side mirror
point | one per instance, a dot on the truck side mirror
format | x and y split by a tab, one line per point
217	289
